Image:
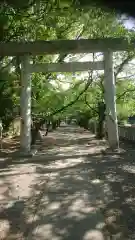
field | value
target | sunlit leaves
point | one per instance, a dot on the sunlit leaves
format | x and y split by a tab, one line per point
49	20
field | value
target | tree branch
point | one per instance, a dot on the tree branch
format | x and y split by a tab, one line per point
75	100
121	66
62	57
126	91
86	102
69	104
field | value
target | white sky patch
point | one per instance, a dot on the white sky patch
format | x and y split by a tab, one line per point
129	23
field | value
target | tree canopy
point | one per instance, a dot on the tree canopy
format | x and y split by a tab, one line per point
56	95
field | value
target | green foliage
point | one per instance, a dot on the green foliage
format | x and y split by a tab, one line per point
125	99
47	20
7	98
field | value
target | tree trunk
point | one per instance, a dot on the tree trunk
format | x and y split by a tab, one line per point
100	127
54	125
47	128
35	133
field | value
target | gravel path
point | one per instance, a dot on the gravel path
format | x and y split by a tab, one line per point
76	190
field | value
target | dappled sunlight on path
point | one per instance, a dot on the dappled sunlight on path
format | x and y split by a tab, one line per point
76	189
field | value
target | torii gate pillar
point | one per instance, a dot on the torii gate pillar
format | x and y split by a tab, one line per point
25	105
110	99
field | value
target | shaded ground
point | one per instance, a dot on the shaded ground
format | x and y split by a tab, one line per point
72	190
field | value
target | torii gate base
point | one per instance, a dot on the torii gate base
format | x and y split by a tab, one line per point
109	85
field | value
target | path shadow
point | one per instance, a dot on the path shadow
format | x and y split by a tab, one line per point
13	217
60	206
116	172
76	196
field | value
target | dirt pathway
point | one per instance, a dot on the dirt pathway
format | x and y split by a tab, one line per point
72	190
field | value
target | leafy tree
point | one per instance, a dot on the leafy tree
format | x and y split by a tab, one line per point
36	20
8	98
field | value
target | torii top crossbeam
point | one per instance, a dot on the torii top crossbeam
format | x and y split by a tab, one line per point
65	46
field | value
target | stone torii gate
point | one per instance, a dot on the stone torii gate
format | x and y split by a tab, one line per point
25	49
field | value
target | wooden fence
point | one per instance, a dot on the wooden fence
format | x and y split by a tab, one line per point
126	132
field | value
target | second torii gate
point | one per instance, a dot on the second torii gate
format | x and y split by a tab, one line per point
25	49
